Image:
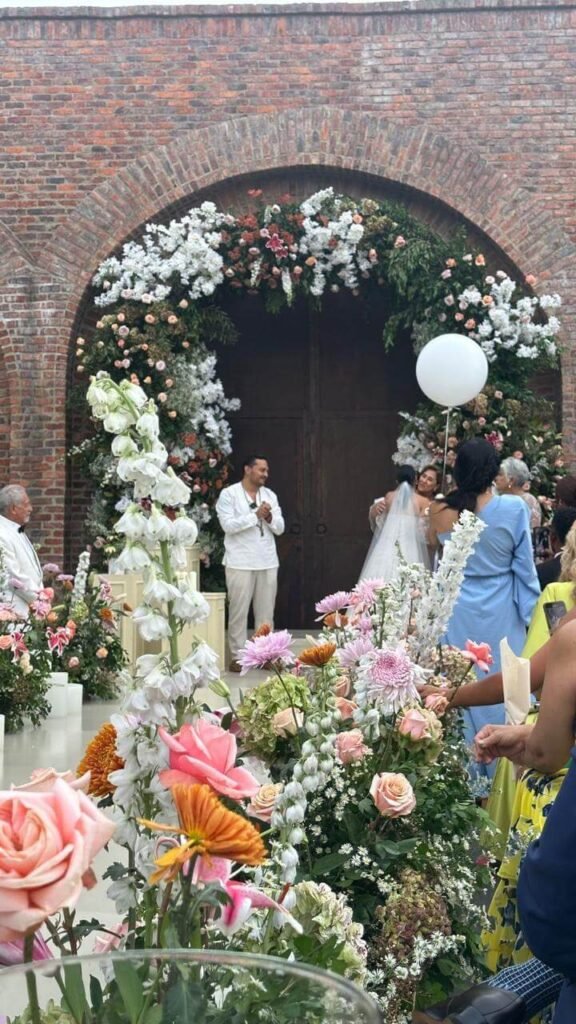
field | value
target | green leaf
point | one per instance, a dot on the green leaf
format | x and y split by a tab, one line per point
153	1015
75	996
96	993
130	985
324	865
184	1002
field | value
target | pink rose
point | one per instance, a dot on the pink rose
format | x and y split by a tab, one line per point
350	746
518	455
345	707
204	752
400	242
262	805
481	421
42	781
392	794
287	722
437	703
48	841
414	725
342	686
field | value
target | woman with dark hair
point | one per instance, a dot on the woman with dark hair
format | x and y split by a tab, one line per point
398	529
500	586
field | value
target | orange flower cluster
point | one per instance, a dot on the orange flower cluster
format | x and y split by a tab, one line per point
317	656
100	759
263	630
210	829
337	619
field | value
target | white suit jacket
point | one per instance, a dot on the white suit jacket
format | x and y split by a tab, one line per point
20	563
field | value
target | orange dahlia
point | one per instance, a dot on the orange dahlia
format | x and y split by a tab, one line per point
209	828
317	656
100	759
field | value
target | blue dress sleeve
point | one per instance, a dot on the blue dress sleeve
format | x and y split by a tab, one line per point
526	585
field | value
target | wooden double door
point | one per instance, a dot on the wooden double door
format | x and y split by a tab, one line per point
320	399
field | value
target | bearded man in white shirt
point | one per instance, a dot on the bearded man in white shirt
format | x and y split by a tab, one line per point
21	569
251	517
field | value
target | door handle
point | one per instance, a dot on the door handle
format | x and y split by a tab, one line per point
296	529
321	528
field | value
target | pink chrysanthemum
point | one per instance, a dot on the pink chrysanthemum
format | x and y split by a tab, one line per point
263	649
350	654
333	603
364	593
388	678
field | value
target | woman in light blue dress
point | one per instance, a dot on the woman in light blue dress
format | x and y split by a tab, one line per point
500	586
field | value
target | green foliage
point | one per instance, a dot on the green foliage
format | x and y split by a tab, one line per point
259	705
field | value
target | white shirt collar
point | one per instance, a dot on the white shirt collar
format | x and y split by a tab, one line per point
10	523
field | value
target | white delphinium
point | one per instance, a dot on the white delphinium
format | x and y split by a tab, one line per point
81	578
410	452
435	607
402	592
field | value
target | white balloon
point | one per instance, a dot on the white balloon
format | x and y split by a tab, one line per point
451	369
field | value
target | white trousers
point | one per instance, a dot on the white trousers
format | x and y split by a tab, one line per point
244	587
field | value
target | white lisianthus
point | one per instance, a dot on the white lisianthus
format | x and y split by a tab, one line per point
151	625
158	526
190	606
118	422
134	393
157	591
133	558
148	426
168	489
184	530
123	446
132	523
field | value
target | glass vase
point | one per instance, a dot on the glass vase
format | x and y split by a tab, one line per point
180	987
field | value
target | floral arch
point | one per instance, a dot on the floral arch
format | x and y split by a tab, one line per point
160	316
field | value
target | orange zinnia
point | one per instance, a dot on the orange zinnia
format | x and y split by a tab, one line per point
100	759
317	656
210	830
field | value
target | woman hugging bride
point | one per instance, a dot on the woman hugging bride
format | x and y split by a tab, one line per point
399	524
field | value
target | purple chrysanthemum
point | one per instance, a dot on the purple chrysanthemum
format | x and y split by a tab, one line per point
263	649
333	603
387	678
350	654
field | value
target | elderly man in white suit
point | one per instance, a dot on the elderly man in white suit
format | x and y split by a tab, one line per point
21	569
251	518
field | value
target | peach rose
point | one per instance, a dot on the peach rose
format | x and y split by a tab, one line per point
437	703
262	804
287	722
392	794
342	686
48	843
414	725
42	781
350	746
345	707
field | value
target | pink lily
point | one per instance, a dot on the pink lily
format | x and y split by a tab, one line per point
478	654
12	953
15	643
58	639
243	897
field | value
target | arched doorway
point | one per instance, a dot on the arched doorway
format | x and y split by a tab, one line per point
320	398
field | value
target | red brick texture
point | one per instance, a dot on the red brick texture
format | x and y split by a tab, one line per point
114	117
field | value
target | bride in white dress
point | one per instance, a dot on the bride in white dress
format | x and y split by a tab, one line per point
399	530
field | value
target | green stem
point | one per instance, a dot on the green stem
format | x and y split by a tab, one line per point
33	1004
68	919
131	937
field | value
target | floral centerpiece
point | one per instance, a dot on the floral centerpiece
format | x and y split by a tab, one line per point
94	656
308	823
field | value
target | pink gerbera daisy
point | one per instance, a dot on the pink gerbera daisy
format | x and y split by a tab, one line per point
274	647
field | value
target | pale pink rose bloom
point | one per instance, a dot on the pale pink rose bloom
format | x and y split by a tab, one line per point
7	614
346	707
106	943
204	752
392	794
262	804
48	843
350	746
287	722
42	781
413	724
342	686
437	703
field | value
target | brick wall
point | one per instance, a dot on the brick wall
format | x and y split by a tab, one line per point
114	117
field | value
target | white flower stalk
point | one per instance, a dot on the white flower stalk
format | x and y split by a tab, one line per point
401	595
184	530
151	624
81	578
435	608
189	605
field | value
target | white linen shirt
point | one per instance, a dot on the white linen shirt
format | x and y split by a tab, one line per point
245	546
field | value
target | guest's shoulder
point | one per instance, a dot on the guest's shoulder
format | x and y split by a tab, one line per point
514	506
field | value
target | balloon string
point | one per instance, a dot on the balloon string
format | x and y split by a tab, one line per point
448	411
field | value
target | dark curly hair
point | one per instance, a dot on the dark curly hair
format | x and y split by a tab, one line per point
476	465
405	475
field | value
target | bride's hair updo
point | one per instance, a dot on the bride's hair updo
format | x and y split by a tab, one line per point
406	475
476	466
